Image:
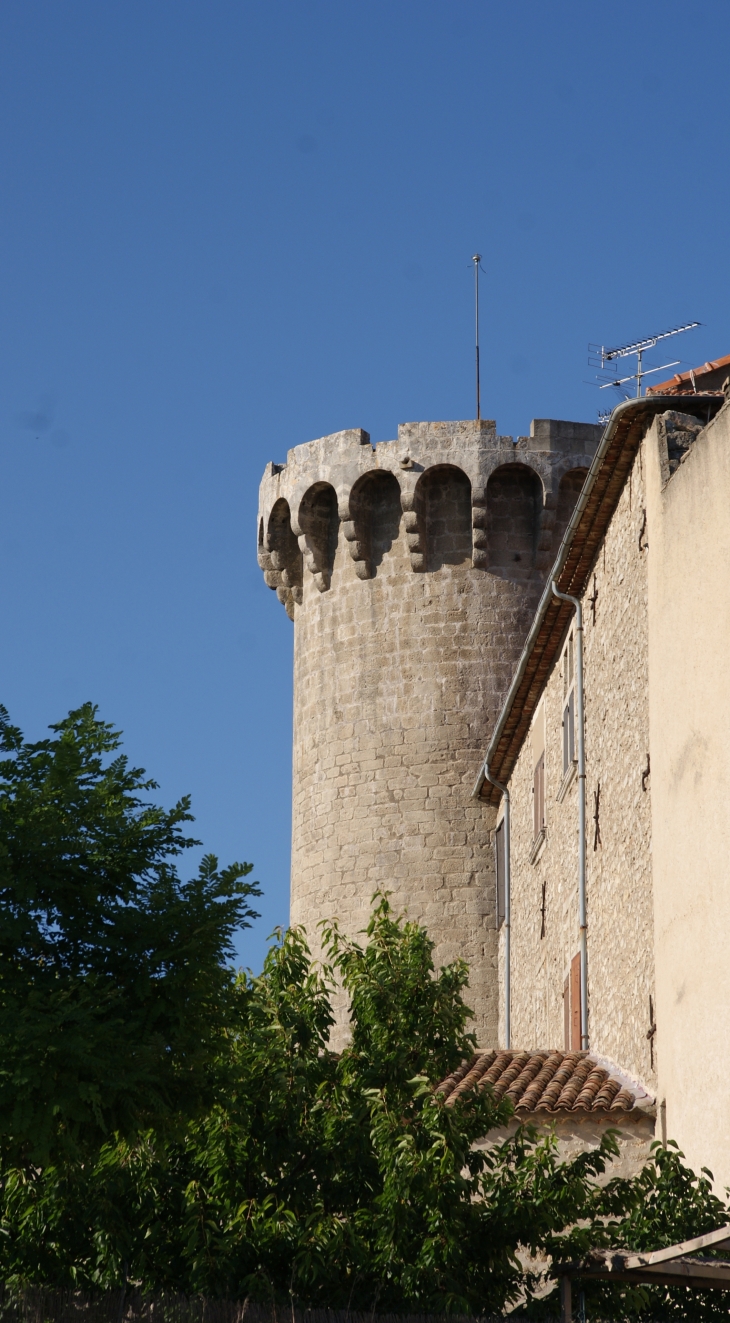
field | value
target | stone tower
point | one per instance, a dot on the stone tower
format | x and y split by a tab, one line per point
411	570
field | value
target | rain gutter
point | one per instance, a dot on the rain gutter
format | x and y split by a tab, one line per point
649	406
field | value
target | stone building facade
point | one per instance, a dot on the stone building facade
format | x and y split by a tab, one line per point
647	553
545	912
411	570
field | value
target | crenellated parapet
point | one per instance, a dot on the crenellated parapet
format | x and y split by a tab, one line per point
461	490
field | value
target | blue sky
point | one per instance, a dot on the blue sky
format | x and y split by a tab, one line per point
227	228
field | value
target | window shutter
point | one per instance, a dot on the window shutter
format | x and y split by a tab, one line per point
571	727
575	1003
566	738
499	847
566	1014
538	796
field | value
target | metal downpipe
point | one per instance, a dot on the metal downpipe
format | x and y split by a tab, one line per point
580	722
507	910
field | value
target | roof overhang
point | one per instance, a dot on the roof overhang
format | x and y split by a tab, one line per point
594	509
675	1265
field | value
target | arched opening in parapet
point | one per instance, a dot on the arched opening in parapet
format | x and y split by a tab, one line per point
376	511
283	545
568	493
514	503
319	521
443	498
261	535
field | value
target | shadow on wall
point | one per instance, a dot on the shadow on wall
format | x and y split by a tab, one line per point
280	558
444	503
514	507
507	533
375	511
320	525
284	546
568	493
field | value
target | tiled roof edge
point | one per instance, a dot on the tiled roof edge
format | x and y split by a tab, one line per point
571	570
689	378
645	1101
545	1083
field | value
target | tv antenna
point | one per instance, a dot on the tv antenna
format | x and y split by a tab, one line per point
476	259
639	347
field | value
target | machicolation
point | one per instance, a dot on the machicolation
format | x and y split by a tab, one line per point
411	571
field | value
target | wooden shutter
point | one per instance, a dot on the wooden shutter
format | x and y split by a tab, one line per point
499	848
575	1043
569	732
538	796
566	1013
566	738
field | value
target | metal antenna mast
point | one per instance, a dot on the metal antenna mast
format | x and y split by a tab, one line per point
476	259
639	347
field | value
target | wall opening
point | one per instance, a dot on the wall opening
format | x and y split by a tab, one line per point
444	504
514	503
568	493
376	512
283	545
319	521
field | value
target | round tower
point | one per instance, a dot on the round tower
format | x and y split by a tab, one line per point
411	571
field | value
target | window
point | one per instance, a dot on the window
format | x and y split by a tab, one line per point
571	1007
568	706
500	845
538	779
538	797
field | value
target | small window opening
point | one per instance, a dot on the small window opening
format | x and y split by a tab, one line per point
500	845
568	706
538	796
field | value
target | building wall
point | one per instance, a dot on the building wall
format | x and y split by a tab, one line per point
411	571
397	682
689	629
619	886
577	1134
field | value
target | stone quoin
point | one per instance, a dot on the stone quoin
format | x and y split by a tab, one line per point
411	570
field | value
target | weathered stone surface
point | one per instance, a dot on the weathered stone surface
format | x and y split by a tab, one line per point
418	569
545	921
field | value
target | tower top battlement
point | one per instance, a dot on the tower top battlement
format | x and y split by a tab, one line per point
331	480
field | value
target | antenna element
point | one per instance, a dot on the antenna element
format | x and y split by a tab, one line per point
639	347
476	259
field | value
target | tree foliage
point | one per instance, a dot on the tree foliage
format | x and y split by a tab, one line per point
115	996
341	1180
170	1126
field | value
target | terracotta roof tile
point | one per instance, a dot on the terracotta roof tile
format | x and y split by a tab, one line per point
545	1081
573	1086
708	377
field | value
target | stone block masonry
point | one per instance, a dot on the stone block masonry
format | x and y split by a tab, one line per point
545	931
411	571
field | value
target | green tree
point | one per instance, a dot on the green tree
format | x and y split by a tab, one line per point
343	1179
116	992
668	1204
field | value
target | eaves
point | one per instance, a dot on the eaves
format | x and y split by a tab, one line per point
576	557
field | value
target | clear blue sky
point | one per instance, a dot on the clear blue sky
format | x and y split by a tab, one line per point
227	228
